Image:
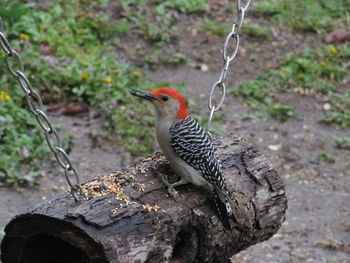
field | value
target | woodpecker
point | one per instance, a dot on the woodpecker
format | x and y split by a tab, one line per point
188	148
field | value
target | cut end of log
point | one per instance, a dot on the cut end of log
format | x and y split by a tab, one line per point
127	216
38	238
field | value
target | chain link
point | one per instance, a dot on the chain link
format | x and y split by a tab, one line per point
228	57
13	54
37	108
5	45
49	133
24	83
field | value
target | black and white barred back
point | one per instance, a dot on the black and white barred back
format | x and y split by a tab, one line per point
194	146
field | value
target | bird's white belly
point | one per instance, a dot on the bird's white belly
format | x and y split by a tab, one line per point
186	171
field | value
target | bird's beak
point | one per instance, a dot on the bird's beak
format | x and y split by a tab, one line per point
143	94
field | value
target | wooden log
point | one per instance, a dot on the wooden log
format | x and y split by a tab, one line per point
128	217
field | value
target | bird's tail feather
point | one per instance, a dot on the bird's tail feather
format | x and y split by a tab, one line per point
224	209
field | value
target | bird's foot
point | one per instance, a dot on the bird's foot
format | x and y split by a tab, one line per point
172	192
181	182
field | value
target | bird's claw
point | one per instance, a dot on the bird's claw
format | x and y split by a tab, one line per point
172	192
165	180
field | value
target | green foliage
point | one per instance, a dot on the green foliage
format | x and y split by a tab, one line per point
182	6
306	15
155	22
340	116
217	28
341	142
21	140
326	157
267	7
257	92
340	111
317	70
256	30
21	144
220	28
267	107
185	6
16	16
166	56
280	111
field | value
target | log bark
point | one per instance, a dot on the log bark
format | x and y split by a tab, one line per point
127	216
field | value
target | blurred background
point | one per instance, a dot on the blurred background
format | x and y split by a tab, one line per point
288	93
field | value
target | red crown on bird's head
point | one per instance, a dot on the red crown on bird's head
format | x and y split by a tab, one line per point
182	113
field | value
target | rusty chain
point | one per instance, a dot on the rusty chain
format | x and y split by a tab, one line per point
36	106
228	58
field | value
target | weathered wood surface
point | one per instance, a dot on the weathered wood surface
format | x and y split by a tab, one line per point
140	223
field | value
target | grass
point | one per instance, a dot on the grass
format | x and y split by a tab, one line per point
305	15
215	27
314	70
326	157
340	111
318	70
21	142
156	25
221	28
256	30
318	16
342	143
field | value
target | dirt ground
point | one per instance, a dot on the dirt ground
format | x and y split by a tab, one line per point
317	226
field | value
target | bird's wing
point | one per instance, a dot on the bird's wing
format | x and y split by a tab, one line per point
193	145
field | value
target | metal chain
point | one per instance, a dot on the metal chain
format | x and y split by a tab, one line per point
37	108
228	58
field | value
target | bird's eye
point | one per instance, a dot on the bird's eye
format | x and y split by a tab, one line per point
165	98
